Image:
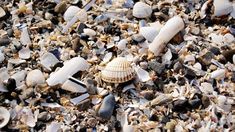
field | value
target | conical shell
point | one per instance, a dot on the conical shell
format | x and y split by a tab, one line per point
118	70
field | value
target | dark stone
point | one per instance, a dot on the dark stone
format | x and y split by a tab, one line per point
84	37
215	50
233	77
165	119
195	103
108	29
228	55
107	107
183	116
190	74
137	38
157	67
207	21
81	27
153	117
4	41
180	106
11	84
10	32
118	126
181	81
56	53
159	84
149	95
84	105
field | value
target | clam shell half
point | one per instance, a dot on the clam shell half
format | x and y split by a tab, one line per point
119	70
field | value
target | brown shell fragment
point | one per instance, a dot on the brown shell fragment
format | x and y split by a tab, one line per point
119	70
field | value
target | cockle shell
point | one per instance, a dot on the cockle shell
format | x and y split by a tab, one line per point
119	70
141	10
4	116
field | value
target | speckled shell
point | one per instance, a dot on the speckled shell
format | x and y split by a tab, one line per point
118	70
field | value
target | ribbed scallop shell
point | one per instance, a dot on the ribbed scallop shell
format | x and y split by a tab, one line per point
118	70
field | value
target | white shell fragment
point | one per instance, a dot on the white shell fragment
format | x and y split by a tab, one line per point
141	10
48	60
89	32
70	67
149	33
24	53
142	74
74	85
168	31
118	70
53	127
2	56
234	59
122	44
70	12
222	7
34	78
24	38
4	116
206	88
80	98
218	74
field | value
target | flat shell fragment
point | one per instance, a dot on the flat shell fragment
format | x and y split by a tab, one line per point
118	70
74	85
142	74
4	116
80	98
48	60
218	74
2	12
222	7
34	78
24	53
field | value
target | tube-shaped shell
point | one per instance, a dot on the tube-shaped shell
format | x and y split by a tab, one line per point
171	28
119	70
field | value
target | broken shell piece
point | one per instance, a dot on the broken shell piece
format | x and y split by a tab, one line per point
118	70
4	117
53	127
141	10
142	74
74	85
24	38
149	33
24	53
80	98
234	59
70	67
206	88
2	12
171	28
2	57
89	32
218	74
34	78
70	12
222	7
122	44
161	99
48	60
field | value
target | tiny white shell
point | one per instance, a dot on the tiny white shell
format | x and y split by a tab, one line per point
149	33
118	70
141	10
5	116
74	85
218	74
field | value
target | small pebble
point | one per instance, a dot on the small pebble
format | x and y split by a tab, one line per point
137	38
4	41
141	10
107	107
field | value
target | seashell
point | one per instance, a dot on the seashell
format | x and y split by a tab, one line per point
204	7
206	88
89	32
119	70
141	10
24	37
228	38
2	12
70	67
4	116
232	14
161	99
107	57
74	85
122	44
70	12
2	56
48	60
54	127
218	74
222	7
24	53
142	74
35	77
149	33
168	31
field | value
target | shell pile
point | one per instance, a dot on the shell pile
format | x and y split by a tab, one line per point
119	70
